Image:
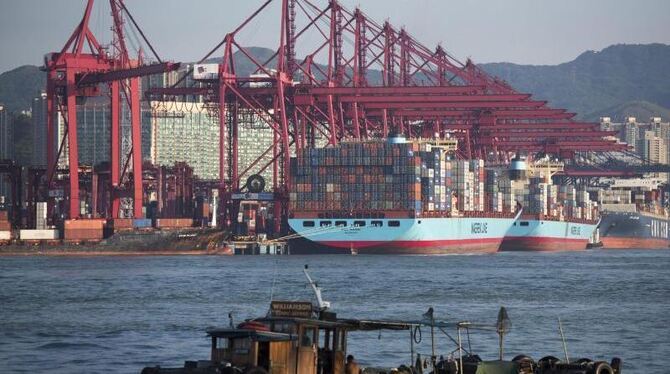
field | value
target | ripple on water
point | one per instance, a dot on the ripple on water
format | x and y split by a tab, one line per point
64	313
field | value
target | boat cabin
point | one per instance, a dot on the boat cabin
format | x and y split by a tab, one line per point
283	345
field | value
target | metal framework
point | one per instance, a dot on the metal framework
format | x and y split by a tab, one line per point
364	80
359	80
79	70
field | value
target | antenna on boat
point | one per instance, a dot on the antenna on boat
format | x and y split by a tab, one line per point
565	345
323	305
430	316
503	325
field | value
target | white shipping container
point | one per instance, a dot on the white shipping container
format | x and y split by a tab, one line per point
5	235
205	71
38	234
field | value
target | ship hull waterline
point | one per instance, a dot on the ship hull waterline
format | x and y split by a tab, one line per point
409	236
626	230
536	235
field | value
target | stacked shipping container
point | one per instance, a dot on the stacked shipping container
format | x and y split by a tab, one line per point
372	176
380	176
538	196
5	226
420	177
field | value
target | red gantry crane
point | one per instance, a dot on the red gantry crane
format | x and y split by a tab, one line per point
81	69
364	80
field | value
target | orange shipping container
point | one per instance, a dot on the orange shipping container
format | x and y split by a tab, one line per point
83	234
120	223
5	226
173	223
85	224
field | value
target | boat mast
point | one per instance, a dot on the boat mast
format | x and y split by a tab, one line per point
323	305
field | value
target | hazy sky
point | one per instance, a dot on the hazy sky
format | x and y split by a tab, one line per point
520	31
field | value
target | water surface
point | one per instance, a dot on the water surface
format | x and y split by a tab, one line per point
119	314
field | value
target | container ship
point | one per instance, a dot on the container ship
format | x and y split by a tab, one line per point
633	215
556	217
395	197
544	234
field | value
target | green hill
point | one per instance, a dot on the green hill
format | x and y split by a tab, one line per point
18	87
595	81
641	110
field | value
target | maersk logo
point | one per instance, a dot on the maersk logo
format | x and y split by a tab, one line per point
479	228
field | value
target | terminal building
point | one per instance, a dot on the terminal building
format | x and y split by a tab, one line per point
649	139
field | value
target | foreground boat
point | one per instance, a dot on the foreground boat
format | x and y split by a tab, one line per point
302	338
544	234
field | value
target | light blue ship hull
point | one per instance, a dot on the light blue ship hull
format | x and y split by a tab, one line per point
547	235
407	235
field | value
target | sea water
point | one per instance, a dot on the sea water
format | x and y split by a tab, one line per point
119	314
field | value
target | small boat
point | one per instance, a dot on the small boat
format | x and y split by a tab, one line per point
303	338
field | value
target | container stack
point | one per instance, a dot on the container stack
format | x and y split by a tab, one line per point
41	215
362	176
584	204
552	200
84	229
479	177
465	180
505	184
538	196
566	197
5	226
614	196
120	224
521	192
173	223
494	191
435	193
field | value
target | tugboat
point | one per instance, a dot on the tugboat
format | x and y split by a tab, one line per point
302	338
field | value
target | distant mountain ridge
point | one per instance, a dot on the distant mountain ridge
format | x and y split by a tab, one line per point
595	81
618	81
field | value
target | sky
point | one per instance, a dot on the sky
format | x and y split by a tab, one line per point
519	31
